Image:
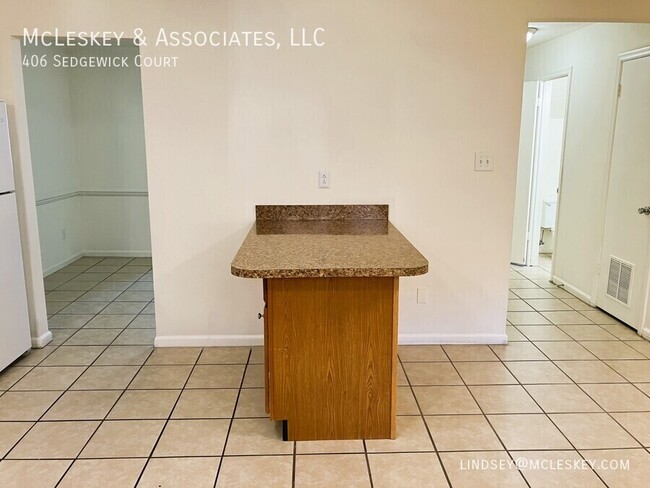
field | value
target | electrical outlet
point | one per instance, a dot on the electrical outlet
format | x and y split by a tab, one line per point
323	179
483	161
422	294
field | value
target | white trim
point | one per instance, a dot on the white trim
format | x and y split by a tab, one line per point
56	198
641	52
645	333
569	75
92	193
258	339
531	258
113	193
25	197
92	254
62	264
556	75
208	340
582	295
532	250
117	254
42	340
453	338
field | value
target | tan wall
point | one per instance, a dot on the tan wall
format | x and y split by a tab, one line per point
394	106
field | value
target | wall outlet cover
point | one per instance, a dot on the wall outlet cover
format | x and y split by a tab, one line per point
323	179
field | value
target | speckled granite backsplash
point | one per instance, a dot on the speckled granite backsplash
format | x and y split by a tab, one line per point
308	241
321	212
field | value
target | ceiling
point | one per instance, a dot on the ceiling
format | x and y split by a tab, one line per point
550	30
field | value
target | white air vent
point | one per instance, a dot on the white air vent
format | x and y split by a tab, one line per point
620	280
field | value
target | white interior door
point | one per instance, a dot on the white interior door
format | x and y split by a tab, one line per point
623	280
520	236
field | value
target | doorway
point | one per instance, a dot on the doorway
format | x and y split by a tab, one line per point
86	138
542	135
600	250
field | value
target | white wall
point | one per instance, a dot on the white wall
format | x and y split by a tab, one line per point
54	159
592	54
109	124
87	140
395	106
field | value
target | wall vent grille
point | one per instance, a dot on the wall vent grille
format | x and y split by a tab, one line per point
620	280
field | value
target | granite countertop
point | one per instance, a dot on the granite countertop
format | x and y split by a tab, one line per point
301	241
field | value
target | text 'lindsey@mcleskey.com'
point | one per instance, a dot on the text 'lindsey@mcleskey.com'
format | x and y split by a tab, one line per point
544	464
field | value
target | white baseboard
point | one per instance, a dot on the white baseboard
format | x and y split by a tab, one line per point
209	340
452	338
645	333
92	254
62	264
258	340
118	254
42	340
577	292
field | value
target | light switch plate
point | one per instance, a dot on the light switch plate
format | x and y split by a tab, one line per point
483	161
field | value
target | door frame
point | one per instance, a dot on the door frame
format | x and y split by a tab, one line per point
644	330
528	168
26	199
565	73
642	52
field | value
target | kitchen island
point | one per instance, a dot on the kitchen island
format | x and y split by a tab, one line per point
330	282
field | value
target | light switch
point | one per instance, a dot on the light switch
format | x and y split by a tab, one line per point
483	161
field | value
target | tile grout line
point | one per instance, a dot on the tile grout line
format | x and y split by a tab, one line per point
293	466
559	413
423	419
232	418
578	385
365	453
101	421
86	367
171	411
471	393
93	288
521	385
40	419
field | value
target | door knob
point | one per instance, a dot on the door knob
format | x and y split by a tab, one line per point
644	210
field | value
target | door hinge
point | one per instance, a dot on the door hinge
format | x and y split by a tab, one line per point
620	89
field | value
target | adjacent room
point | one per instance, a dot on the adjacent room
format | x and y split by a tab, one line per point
87	147
581	170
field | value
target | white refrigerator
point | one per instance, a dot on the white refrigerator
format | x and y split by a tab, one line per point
14	319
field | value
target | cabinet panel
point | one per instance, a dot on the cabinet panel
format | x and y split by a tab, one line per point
332	356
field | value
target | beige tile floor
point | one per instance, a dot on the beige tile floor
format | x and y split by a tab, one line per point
99	407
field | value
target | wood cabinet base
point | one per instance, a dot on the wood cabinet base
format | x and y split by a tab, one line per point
330	352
